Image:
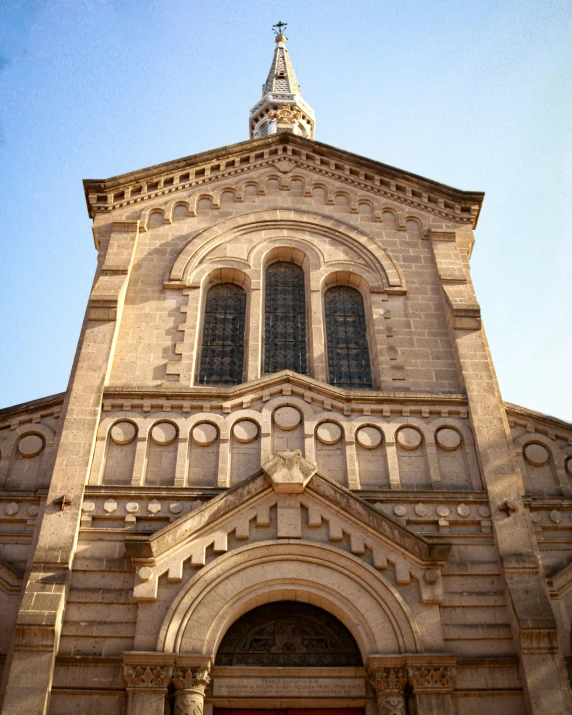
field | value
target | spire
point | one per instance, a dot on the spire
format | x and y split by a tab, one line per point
282	108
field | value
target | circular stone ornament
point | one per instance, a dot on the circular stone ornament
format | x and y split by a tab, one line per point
132	507
431	576
287	418
12	508
408	438
205	434
88	506
568	466
400	510
536	454
448	439
442	511
484	511
123	432
145	573
164	433
245	431
30	446
176	508
329	433
368	437
33	510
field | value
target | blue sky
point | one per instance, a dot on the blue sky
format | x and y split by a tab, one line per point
477	95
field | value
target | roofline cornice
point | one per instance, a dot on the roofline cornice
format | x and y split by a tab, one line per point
105	195
48	404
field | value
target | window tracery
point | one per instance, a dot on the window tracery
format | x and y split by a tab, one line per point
222	351
346	337
288	634
285	319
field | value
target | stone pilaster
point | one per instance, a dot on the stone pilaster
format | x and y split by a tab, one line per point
147	676
190	681
39	619
388	682
534	626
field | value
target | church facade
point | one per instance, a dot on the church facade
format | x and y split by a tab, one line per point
282	477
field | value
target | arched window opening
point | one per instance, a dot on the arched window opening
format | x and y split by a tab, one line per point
285	319
346	335
222	352
288	634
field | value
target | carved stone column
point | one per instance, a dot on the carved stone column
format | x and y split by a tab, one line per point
388	682
190	683
432	684
147	681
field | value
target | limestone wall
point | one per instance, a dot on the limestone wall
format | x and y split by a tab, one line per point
357	241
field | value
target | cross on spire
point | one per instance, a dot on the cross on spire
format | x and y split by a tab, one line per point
279	28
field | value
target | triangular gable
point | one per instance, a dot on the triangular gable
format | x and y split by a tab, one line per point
284	152
255	510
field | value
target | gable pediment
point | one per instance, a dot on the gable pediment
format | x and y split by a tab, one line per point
316	510
282	153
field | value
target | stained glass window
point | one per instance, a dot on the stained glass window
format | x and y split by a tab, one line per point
222	352
285	319
288	634
346	336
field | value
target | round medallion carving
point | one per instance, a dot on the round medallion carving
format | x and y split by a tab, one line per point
245	431
123	432
33	510
568	466
442	511
12	508
408	438
536	454
400	510
205	434
287	418
369	437
164	433
145	573
329	433
30	446
431	576
448	439
132	507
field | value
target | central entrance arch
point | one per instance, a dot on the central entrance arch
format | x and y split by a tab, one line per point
367	604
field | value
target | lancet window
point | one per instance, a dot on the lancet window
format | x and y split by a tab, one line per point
285	319
222	351
346	336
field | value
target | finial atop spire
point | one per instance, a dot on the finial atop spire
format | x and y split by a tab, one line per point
278	31
282	108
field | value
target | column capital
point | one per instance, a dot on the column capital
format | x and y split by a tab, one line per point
191	677
432	675
147	671
388	678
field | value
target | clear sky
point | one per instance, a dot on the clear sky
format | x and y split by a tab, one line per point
474	94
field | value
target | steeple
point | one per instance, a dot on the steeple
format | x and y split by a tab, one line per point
281	108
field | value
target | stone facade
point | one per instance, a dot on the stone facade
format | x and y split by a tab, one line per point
142	513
